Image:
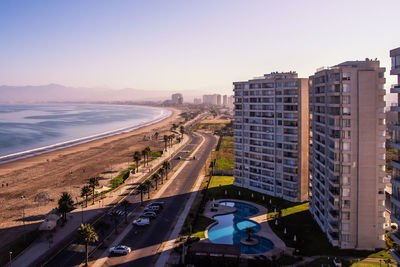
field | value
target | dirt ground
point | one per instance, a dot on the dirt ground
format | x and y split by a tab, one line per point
41	179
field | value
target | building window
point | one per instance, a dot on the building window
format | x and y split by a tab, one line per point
346	76
346	238
346	193
346	88
345	227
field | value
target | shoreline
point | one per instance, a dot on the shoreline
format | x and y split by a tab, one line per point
166	113
67	170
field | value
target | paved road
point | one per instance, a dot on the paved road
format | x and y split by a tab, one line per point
145	241
73	256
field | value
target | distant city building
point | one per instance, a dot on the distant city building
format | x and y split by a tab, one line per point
347	153
225	100
271	135
219	100
231	100
197	101
395	198
211	99
177	99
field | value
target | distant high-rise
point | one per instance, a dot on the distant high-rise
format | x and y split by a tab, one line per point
347	153
395	199
219	100
197	101
177	99
211	99
271	135
225	100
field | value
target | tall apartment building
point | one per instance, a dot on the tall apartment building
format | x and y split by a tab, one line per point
211	99
271	135
177	99
219	100
225	100
347	153
395	198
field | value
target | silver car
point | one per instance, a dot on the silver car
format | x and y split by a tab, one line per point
122	250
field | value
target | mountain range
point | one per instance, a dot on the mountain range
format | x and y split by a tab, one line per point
60	93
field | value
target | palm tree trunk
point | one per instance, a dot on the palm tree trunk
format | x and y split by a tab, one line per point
93	194
87	253
148	193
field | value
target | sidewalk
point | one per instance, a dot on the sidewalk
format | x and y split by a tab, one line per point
41	245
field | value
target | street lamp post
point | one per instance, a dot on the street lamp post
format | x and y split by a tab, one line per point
10	257
23	210
82	211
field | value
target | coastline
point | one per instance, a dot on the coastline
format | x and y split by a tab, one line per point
67	170
69	143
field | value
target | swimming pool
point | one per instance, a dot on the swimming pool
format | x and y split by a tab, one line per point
231	228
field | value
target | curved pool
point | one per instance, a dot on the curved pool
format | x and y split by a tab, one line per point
231	228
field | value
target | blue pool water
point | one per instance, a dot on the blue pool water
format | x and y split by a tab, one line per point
231	228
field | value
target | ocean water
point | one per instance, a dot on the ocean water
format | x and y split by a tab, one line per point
27	130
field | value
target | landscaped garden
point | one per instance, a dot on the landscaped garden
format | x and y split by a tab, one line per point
295	217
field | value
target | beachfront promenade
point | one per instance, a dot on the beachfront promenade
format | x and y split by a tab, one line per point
38	250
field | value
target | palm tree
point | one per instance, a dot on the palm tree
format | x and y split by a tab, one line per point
93	182
144	157
174	126
125	204
161	173
182	130
171	139
114	216
156	178
148	150
249	231
148	184
137	157
65	204
85	192
156	134
87	234
167	165
142	188
166	139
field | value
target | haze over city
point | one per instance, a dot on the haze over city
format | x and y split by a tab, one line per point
185	45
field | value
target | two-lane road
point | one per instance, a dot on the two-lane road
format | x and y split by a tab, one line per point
145	241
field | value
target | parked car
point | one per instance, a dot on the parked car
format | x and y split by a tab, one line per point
178	157
152	208
337	262
122	250
158	203
148	214
141	221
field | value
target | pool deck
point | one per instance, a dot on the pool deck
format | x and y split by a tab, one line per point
260	218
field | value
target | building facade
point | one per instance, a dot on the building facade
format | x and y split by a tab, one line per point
177	99
271	135
211	99
347	153
395	198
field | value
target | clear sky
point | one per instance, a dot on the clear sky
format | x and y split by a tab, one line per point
178	45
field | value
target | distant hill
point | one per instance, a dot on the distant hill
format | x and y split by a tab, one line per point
59	93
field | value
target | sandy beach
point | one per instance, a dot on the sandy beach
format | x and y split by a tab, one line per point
67	170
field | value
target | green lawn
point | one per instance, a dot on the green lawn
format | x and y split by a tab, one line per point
201	225
225	154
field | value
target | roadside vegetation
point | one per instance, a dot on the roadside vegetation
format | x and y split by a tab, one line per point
224	155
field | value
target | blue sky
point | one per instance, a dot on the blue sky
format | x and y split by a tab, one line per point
179	45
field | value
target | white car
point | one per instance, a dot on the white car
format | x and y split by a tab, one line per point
152	208
122	250
141	221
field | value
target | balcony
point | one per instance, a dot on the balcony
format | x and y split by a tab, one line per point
395	164
395	254
395	108
395	88
395	145
396	237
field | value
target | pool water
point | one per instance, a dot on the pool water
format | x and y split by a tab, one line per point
231	228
